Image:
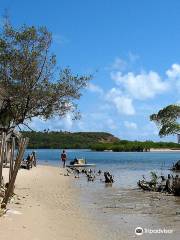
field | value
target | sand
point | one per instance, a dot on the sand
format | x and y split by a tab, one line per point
46	207
164	150
49	206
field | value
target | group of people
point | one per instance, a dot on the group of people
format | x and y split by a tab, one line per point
31	159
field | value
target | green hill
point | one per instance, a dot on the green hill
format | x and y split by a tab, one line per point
98	141
77	140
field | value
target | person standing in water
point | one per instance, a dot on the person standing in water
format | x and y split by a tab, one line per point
64	158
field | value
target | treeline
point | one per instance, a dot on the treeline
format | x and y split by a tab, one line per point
68	140
133	146
97	141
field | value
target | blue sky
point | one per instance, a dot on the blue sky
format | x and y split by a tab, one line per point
131	46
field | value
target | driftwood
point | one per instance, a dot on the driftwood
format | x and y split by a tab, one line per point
169	185
176	186
176	166
144	185
89	173
108	177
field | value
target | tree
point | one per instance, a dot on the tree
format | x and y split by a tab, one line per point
29	83
167	120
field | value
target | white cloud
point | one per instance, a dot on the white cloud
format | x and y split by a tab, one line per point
174	76
125	96
95	88
130	125
174	71
95	121
122	103
141	86
147	131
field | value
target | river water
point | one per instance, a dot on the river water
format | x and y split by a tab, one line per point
127	167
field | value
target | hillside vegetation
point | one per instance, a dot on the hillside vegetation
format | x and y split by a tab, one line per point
97	141
78	140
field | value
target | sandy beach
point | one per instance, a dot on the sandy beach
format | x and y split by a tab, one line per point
51	206
45	207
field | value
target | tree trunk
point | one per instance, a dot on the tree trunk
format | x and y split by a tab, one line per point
2	149
22	146
11	167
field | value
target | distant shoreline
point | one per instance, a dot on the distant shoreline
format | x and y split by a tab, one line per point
85	149
164	150
150	150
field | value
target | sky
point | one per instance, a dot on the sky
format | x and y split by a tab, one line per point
132	48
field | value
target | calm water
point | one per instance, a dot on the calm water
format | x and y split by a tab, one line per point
127	167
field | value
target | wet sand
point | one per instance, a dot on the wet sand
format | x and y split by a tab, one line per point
122	210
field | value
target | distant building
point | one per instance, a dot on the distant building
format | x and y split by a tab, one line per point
178	138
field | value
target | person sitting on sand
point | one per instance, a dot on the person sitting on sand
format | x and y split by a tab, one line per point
29	161
64	158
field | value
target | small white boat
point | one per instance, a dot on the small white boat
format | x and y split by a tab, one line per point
80	163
